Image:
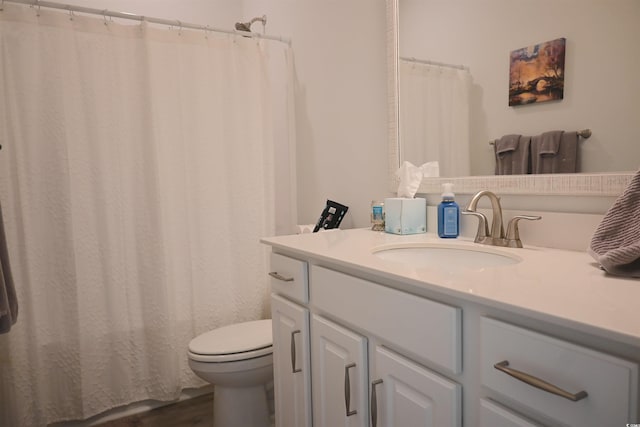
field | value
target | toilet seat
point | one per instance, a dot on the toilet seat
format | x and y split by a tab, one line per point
241	341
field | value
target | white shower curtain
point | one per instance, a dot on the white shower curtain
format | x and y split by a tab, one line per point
434	116
136	177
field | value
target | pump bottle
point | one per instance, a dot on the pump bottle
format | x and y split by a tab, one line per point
448	214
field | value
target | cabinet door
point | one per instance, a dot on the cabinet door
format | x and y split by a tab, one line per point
339	372
406	394
292	376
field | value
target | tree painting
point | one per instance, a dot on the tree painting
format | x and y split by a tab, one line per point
536	73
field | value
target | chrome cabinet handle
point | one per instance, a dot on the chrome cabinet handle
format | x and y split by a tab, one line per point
293	352
280	277
374	403
347	390
538	383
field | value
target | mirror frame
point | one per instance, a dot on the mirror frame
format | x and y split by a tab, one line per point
580	184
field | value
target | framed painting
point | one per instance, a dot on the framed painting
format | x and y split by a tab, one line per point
536	73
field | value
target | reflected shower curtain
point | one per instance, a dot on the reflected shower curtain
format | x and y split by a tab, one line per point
136	178
434	116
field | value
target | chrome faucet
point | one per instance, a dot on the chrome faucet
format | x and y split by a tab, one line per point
496	237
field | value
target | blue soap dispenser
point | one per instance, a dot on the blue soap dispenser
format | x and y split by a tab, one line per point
448	214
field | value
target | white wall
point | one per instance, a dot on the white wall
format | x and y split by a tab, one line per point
601	84
341	91
340	49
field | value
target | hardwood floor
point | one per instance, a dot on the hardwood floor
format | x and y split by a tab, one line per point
195	412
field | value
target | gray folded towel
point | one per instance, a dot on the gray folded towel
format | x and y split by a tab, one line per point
507	143
8	299
616	241
550	142
512	155
554	152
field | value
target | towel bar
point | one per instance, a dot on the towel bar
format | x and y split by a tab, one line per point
584	133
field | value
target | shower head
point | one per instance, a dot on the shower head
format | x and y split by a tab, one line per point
246	26
243	26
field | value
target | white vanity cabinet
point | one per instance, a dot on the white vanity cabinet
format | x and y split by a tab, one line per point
291	358
364	358
401	391
388	346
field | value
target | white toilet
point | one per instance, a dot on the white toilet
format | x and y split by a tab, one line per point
238	360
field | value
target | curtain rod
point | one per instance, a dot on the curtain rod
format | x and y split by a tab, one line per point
439	64
126	15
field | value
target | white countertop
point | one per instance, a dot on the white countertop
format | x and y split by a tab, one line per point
564	287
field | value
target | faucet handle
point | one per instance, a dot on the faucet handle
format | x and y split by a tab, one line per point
513	234
483	227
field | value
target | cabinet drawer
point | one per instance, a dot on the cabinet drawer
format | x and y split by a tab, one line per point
493	415
426	329
289	277
610	383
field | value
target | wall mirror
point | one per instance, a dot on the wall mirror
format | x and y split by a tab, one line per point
601	89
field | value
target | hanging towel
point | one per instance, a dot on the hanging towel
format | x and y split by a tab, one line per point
8	300
616	242
512	155
554	152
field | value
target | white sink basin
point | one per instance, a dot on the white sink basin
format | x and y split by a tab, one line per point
445	256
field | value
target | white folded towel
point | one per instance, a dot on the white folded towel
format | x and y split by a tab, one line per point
616	241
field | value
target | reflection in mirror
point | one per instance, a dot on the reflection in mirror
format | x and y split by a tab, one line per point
434	115
601	86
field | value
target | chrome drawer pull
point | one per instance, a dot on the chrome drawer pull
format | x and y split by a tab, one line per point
374	403
293	352
347	390
538	383
280	277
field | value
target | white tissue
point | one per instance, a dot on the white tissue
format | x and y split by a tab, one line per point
431	169
305	228
411	177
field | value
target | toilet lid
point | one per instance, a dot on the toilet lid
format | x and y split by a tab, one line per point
233	339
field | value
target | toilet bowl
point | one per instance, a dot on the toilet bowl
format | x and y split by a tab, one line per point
238	360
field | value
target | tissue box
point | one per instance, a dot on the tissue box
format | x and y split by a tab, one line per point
405	216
